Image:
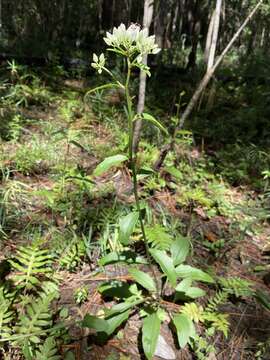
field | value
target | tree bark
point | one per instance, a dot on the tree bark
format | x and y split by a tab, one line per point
147	19
209	38
0	20
195	24
213	47
202	85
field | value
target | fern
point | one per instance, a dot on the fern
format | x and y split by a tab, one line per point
72	256
50	288
218	321
158	237
36	319
26	303
7	313
6	318
31	262
199	196
197	314
193	311
237	286
48	350
217	300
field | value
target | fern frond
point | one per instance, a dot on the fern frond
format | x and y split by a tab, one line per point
6	318
193	311
37	318
199	196
218	321
50	288
72	256
31	263
158	237
237	286
6	313
48	350
217	300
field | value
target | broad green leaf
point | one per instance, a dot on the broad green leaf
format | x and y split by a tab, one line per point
166	264
180	249
155	122
185	329
143	279
186	271
108	163
93	322
124	306
195	292
146	171
184	285
114	322
162	314
127	225
118	290
129	257
150	333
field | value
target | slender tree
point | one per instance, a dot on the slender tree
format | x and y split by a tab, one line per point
213	46
147	20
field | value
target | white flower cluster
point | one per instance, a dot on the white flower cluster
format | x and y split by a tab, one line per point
98	62
132	39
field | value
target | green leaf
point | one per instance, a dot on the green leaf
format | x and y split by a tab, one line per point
115	321
155	122
108	163
48	350
150	333
263	299
143	279
186	271
195	292
129	257
180	249
127	225
93	322
166	264
118	290
124	306
174	172
184	285
185	329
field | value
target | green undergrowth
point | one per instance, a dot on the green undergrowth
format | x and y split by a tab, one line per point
62	214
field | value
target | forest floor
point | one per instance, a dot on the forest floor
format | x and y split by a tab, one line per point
52	145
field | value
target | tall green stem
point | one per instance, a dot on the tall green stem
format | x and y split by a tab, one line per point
132	157
132	161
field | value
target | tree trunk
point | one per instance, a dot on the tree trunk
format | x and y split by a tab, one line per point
100	14
209	38
212	52
160	22
147	19
194	32
1	20
213	47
